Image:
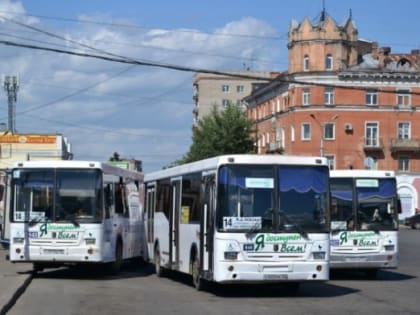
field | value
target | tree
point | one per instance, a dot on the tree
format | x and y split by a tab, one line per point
221	132
115	157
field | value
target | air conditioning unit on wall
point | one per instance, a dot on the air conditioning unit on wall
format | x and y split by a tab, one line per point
348	127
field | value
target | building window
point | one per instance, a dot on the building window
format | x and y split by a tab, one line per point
371	134
371	97
403	163
306	97
329	96
292	133
328	62
371	163
225	103
306	131
404	130
240	89
329	131
306	63
225	88
403	98
330	161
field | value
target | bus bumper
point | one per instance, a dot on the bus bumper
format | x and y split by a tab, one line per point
383	261
251	272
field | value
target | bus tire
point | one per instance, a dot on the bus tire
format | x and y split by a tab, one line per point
371	273
198	281
160	272
37	267
117	263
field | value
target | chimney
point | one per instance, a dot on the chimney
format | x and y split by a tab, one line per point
375	50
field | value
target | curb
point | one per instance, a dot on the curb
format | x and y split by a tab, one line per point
15	296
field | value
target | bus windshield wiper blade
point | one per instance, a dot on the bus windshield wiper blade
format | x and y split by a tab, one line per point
34	221
288	224
74	221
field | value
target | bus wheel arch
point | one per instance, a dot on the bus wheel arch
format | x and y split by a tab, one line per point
195	267
159	270
117	263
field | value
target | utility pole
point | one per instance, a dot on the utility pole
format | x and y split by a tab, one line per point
11	86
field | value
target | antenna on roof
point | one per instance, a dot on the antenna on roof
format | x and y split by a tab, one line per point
350	14
323	13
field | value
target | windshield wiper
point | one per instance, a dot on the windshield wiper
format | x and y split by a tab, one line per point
34	221
74	222
254	229
289	225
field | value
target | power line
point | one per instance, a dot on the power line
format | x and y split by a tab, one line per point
104	130
192	69
122	25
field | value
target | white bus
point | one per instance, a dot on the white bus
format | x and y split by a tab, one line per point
364	220
75	212
241	218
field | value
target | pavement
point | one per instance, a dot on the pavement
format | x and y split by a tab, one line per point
14	278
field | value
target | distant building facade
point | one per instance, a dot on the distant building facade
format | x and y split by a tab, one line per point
342	98
211	90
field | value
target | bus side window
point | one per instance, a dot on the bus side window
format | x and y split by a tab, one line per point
1	192
120	199
109	200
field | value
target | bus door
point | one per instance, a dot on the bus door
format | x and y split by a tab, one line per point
174	222
6	199
150	214
207	223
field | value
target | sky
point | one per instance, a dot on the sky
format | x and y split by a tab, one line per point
142	111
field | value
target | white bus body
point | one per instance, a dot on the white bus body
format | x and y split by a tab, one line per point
75	212
364	220
219	219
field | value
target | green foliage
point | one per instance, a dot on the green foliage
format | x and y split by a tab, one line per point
221	132
115	157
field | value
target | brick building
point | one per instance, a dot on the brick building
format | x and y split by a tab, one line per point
343	98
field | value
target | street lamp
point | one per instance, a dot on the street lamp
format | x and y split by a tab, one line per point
321	126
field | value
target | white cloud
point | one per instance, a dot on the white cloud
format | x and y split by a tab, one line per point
143	113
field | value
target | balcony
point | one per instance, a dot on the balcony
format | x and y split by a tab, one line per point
274	147
411	145
373	145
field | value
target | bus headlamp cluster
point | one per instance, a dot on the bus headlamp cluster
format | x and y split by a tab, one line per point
231	255
90	241
318	255
389	247
18	240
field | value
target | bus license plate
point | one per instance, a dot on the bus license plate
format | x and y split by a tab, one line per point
54	251
280	276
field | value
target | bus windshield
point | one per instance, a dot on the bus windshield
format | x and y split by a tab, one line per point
49	195
372	208
270	198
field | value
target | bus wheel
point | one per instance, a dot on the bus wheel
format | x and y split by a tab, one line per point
160	272
198	282
116	265
371	273
292	288
38	267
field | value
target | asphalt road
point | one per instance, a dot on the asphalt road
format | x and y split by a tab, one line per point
138	291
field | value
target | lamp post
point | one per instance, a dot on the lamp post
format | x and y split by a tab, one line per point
321	127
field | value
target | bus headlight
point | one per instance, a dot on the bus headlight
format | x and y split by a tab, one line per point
231	255
319	255
90	241
18	240
389	247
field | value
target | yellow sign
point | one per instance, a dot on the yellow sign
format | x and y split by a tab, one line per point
33	139
185	214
